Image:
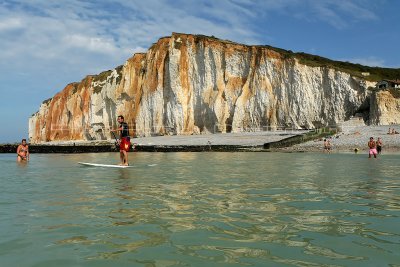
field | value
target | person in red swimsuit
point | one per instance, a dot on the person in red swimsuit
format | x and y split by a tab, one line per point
125	142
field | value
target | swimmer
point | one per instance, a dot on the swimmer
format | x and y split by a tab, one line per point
372	147
23	151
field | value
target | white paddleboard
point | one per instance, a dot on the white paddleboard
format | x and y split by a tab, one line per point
103	165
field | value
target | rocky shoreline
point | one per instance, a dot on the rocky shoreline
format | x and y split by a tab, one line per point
231	142
348	140
67	149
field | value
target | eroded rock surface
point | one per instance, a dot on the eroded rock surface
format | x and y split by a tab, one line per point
188	84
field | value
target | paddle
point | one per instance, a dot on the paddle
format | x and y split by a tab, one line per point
116	140
133	145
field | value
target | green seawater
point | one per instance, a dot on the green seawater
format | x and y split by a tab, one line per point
201	209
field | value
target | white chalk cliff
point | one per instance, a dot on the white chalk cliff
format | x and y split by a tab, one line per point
189	84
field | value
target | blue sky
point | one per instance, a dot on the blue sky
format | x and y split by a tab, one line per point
44	45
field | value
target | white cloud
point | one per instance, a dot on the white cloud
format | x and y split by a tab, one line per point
341	13
10	23
93	44
48	30
357	11
96	35
48	27
369	61
328	15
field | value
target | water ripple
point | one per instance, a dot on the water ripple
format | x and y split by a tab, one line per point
204	209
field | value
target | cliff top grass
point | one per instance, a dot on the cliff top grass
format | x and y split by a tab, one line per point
101	77
354	69
46	101
375	73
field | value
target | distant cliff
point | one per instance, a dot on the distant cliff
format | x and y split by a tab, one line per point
191	84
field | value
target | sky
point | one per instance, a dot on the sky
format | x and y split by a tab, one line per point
45	45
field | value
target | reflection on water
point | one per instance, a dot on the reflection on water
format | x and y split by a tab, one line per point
202	209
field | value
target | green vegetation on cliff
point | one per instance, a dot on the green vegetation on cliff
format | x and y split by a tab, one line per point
47	101
375	73
103	76
100	78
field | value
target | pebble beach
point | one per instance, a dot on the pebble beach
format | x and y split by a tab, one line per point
347	140
352	138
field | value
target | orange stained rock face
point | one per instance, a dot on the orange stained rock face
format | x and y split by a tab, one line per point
155	65
186	88
180	81
130	90
273	54
64	116
235	84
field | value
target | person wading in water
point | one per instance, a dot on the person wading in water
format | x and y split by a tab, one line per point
379	145
23	151
372	147
125	142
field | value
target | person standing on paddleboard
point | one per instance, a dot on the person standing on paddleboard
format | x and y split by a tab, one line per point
125	142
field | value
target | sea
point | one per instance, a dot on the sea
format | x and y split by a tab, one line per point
201	209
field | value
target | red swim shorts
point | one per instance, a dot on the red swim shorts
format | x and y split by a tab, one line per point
125	144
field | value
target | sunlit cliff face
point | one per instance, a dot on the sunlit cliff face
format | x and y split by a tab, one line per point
188	84
385	107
